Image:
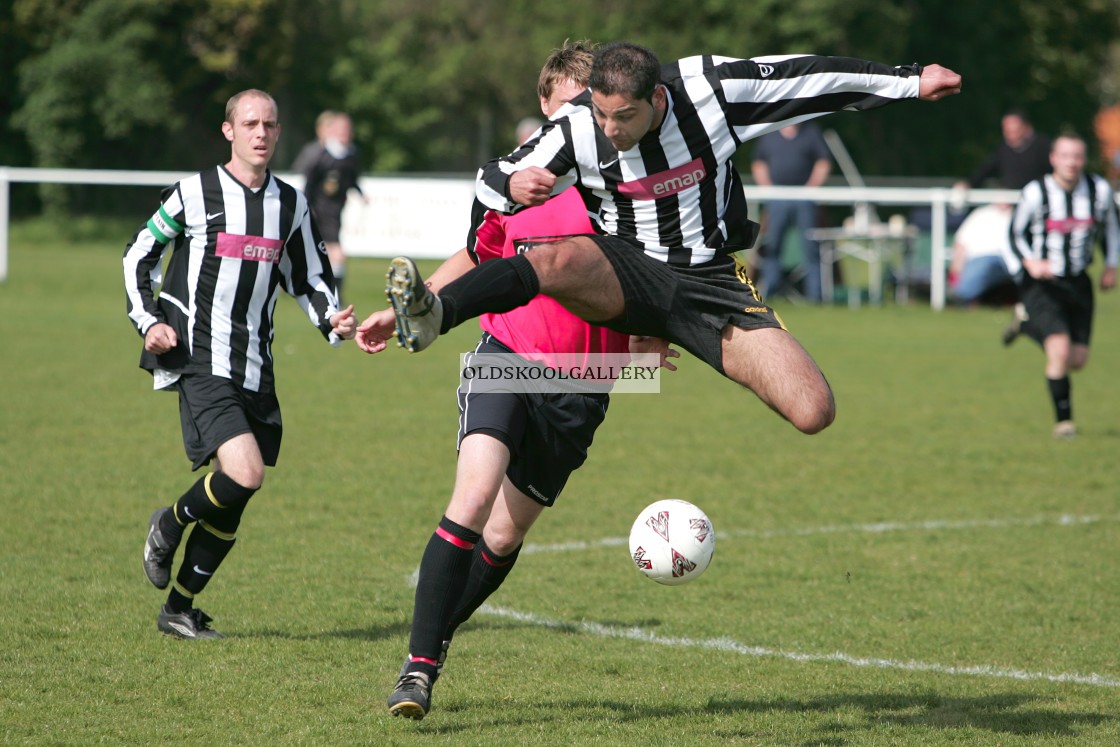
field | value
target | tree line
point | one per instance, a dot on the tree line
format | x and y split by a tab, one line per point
438	86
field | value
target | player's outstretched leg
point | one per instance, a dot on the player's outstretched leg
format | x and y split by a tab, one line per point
418	310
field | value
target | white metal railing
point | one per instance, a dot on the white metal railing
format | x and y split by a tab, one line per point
403	215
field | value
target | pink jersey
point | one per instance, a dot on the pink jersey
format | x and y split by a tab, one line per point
543	330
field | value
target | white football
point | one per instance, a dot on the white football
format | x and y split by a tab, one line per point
672	541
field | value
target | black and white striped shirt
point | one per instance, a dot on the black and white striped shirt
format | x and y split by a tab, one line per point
232	250
676	192
1061	227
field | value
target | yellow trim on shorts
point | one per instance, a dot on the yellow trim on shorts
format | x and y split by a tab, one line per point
743	272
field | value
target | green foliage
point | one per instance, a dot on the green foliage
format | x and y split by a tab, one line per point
98	78
438	86
937	423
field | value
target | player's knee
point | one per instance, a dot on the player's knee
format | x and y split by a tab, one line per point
503	540
248	476
816	414
557	262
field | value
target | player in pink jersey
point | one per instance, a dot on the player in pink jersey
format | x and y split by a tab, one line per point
516	449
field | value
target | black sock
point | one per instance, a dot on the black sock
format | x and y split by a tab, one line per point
488	571
179	601
444	570
493	287
212	495
206	548
1060	394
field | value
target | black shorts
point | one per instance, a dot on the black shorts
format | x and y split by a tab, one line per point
1059	306
328	219
547	434
690	306
212	410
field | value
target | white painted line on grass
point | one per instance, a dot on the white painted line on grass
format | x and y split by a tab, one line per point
875	528
731	646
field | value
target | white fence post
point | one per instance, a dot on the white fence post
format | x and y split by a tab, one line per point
937	234
5	193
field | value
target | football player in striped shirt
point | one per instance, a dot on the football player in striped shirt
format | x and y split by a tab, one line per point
517	449
237	236
1057	222
650	148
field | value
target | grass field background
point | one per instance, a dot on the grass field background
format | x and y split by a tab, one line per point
934	569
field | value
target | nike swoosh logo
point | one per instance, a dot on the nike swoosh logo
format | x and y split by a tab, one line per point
607	164
190	516
212	216
202	572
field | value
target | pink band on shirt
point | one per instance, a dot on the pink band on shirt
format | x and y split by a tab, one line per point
252	248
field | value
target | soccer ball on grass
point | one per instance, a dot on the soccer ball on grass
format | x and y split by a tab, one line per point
672	541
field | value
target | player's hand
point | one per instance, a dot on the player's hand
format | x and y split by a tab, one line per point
531	186
378	328
160	338
639	344
937	82
1108	278
1039	269
343	323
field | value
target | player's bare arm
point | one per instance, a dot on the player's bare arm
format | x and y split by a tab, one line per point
937	82
454	267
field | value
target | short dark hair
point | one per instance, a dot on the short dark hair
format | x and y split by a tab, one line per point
625	68
235	99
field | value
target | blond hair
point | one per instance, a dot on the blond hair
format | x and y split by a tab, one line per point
572	61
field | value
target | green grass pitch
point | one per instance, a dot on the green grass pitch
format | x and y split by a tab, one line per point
933	569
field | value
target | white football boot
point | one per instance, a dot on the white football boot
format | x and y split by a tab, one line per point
418	311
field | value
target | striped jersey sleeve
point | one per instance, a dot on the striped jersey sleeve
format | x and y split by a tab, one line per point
230	252
676	193
143	260
1063	226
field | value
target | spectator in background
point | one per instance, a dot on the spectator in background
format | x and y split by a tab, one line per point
795	155
331	169
1056	224
526	127
1107	127
1023	155
978	271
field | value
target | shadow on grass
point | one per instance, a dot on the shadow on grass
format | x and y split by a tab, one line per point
1001	713
373	633
1009	714
403	628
